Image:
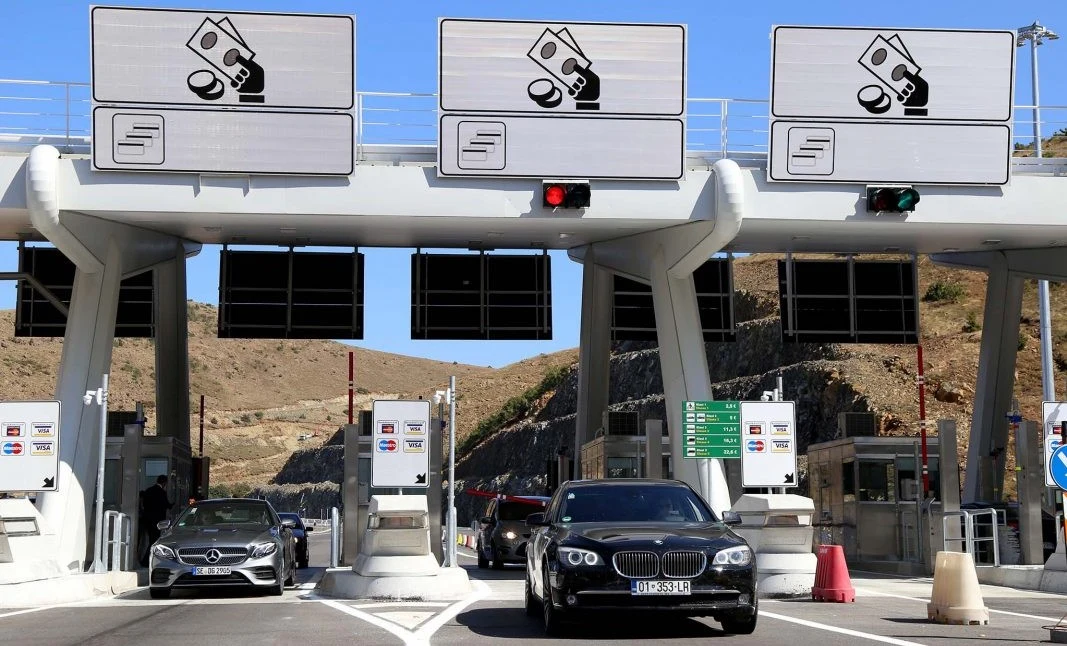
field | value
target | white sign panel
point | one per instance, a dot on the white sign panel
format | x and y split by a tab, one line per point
206	58
29	445
768	444
561	100
874	105
928	153
1053	414
224	141
400	450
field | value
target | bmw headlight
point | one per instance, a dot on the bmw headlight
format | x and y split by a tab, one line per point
264	549
740	555
510	535
163	552
574	557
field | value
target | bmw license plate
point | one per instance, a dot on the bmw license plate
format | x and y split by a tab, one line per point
659	587
210	571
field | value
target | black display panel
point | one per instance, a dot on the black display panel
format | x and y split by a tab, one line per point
290	295
848	301
481	297
36	316
633	317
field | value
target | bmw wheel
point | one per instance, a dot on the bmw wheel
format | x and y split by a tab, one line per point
551	616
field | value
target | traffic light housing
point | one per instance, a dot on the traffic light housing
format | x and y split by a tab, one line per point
891	199
565	195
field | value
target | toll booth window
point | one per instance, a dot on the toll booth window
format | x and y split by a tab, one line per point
877	481
622	468
909	479
848	480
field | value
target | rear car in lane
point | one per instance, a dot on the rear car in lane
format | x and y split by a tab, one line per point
300	538
637	545
502	533
223	542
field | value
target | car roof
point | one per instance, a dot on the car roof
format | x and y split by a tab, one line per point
622	482
527	499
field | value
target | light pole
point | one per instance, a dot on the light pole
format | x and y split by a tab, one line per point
1036	34
100	396
449	397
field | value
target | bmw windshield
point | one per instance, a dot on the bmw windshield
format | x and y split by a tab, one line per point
615	503
227	514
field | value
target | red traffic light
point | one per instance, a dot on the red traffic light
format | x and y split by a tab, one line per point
554	195
566	195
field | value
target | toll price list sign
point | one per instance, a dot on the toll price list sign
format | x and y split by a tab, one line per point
712	429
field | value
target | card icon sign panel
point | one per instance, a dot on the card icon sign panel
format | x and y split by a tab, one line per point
137	138
402	435
769	458
811	151
481	145
29	445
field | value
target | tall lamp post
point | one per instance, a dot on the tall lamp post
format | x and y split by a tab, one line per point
1036	34
100	397
442	397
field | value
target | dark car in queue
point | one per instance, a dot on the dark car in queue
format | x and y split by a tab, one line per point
300	538
637	545
502	533
223	542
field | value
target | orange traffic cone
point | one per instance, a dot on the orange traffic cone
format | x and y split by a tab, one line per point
832	582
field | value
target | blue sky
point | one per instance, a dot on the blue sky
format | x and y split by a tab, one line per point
397	49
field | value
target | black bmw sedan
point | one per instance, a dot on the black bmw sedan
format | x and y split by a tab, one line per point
629	545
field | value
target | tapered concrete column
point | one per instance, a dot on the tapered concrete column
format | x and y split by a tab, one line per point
172	348
684	363
86	357
996	378
594	355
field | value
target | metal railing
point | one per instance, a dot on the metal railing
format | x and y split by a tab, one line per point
118	536
974	534
58	113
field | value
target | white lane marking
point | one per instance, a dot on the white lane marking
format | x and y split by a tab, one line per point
999	612
386	604
466	556
836	629
420	637
26	611
405	635
481	591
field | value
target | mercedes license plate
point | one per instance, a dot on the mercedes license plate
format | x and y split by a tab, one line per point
659	587
210	571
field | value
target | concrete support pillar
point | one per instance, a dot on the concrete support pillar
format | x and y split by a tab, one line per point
1030	485
684	363
996	378
86	357
654	448
172	348
594	355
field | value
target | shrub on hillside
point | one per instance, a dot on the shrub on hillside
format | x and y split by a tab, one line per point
944	292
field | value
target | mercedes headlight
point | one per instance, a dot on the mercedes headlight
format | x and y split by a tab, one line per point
574	557
163	552
510	535
740	555
264	549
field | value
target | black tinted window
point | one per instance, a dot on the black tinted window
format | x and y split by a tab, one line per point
518	510
633	503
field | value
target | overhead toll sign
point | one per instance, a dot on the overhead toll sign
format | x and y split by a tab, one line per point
874	105
561	100
195	91
29	445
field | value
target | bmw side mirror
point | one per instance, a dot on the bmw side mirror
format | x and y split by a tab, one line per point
488	520
731	518
536	520
162	525
291	524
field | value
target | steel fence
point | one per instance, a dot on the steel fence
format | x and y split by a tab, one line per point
58	113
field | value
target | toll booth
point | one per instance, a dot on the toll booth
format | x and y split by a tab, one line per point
623	456
867	494
356	491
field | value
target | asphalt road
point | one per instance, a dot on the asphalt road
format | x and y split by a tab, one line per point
887	610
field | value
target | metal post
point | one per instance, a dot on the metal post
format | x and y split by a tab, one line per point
202	430
351	384
920	379
452	557
335	533
98	547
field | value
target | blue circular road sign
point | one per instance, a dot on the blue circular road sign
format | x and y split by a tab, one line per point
1057	467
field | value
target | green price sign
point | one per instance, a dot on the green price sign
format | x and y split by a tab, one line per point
711	407
713	440
716	452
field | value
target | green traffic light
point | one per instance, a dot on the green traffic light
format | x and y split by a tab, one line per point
907	199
